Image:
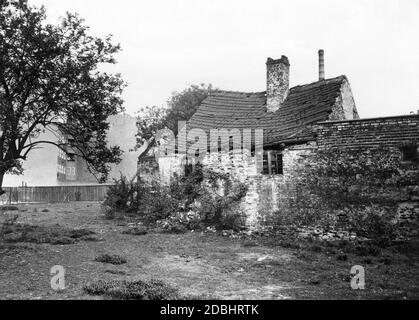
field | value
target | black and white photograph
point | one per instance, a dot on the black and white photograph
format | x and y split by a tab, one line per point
209	156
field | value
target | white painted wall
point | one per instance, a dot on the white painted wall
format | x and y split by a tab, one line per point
40	168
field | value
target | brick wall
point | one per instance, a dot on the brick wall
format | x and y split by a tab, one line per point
369	133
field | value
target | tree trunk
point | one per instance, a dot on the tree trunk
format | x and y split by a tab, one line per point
1	183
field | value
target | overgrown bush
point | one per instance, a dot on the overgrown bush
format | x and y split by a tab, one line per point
219	210
191	201
156	202
145	198
122	195
355	190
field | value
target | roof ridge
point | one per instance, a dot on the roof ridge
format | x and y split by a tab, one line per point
236	92
312	84
321	82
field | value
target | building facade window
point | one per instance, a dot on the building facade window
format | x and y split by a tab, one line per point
272	162
71	171
410	153
61	169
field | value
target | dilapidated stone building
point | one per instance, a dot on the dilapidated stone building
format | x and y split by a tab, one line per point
295	122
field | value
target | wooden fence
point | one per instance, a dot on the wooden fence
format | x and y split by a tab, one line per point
55	194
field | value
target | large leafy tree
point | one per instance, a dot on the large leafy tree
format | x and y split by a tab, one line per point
50	81
180	107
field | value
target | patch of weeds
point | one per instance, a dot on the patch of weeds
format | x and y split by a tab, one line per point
303	255
137	231
9	208
342	257
345	277
6	248
289	244
367	250
316	248
250	243
62	240
406	248
367	261
331	251
314	281
118	272
396	296
133	290
80	233
357	248
91	238
108	212
43	234
111	258
200	297
386	260
176	229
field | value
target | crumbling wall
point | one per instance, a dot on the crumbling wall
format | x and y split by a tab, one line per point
282	194
344	108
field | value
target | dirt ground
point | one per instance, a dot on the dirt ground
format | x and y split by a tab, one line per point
196	263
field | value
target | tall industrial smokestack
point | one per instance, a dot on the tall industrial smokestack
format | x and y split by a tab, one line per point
321	64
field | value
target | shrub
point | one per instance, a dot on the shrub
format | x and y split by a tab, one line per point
147	199
374	222
157	202
108	212
122	195
187	188
221	210
190	201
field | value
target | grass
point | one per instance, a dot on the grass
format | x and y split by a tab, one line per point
8	208
137	231
111	258
132	290
196	264
44	234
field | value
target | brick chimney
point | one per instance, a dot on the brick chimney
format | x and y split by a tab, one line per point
321	64
277	83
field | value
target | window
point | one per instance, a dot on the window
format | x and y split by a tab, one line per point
61	169
272	163
71	171
410	153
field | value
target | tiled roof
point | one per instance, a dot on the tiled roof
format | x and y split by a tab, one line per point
304	106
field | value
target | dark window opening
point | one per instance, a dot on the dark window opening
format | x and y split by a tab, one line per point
410	153
272	163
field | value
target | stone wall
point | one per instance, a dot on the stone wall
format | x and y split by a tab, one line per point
269	194
266	193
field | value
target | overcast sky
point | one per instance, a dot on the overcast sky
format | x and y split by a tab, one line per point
168	45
